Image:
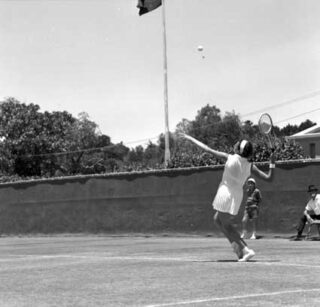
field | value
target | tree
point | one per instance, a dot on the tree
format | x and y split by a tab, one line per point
289	130
42	144
136	154
184	126
222	133
229	130
293	129
205	125
306	124
31	136
82	138
249	130
34	143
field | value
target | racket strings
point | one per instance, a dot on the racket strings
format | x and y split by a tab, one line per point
265	124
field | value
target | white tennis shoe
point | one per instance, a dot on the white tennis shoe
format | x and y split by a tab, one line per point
247	255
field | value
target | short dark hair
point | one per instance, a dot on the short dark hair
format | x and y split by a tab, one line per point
245	148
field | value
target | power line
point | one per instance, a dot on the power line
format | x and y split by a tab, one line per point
297	115
141	141
260	111
300	98
104	148
68	152
138	141
307	96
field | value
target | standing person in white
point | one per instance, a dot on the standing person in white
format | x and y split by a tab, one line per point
237	169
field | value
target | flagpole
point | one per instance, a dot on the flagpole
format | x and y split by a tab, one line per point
165	74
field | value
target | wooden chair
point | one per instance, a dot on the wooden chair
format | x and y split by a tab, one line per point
314	223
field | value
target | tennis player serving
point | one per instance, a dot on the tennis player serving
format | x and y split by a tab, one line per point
227	201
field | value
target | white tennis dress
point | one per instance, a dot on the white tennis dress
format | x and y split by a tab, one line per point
230	192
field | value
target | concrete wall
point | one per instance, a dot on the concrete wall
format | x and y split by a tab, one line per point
149	202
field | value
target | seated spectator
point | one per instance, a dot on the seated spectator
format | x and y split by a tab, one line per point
312	210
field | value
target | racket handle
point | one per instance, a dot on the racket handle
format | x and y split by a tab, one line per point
272	158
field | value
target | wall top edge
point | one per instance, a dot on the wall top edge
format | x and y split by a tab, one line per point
160	172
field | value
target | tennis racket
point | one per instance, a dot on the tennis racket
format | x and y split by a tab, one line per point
265	127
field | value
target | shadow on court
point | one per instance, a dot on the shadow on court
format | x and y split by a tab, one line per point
156	271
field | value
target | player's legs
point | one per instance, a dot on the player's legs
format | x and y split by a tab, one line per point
244	224
301	225
254	229
317	217
254	217
218	222
225	222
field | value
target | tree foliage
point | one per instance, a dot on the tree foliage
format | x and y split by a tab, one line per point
222	132
292	129
45	144
36	143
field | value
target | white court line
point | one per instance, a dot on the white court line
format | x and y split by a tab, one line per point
148	258
282	264
93	257
217	299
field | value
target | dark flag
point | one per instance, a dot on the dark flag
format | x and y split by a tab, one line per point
146	6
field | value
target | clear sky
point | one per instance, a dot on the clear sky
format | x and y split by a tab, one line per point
100	57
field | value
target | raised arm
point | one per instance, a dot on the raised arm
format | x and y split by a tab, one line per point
267	176
216	153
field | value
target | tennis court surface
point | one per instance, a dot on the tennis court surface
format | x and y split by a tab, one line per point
156	271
